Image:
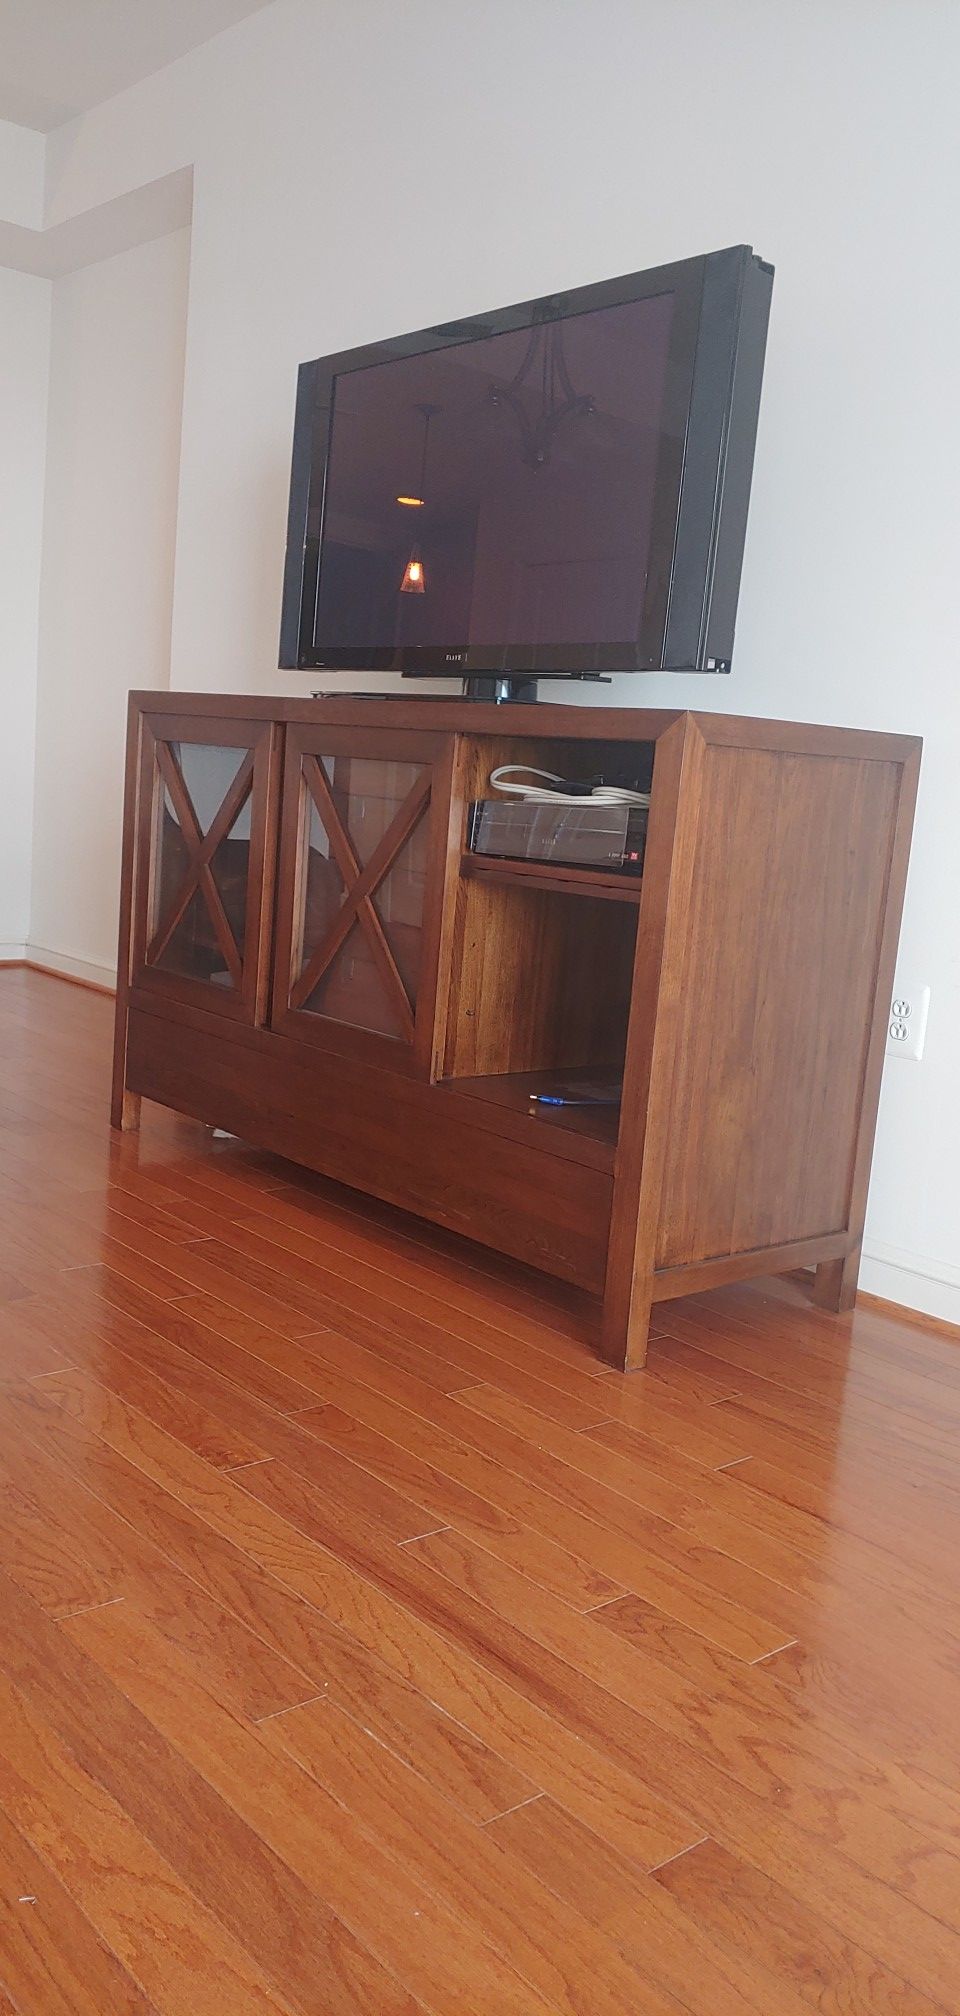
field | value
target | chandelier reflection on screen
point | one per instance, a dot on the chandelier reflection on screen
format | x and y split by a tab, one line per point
414	579
545	360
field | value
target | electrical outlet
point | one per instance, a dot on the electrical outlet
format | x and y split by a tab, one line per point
907	1026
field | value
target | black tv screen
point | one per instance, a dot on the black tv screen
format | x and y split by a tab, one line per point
559	487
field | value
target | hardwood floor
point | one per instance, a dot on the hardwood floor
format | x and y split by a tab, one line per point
365	1646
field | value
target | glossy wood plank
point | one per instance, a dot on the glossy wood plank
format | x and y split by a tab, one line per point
164	1383
461	1864
749	1913
353	1489
51	1956
306	1223
388	1264
460	1361
861	1724
551	1947
454	1504
898	1703
773	1352
462	1323
800	1510
660	1562
694	1428
854	1500
811	1871
520	1291
305	1950
77	1527
318	1843
502	1704
708	1502
507	1640
331	1661
633	1545
23	1353
46	1561
688	1652
153	1922
761	1397
642	1693
641	1916
897	1825
266	1382
910	1338
806	1438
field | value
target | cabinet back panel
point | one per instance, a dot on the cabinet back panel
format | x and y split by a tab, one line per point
617	760
541	981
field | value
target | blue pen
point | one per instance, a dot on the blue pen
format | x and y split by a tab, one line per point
550	1099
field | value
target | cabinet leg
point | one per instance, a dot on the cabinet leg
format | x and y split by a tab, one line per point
125	1111
835	1282
124	1105
624	1332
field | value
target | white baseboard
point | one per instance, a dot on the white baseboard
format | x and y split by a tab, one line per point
11	954
73	969
931	1286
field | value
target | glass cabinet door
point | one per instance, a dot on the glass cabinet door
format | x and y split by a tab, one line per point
202	913
358	913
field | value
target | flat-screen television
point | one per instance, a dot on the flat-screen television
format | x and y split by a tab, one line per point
558	488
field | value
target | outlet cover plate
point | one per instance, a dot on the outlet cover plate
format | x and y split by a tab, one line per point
907	1025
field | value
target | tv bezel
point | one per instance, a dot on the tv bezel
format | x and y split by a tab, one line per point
702	484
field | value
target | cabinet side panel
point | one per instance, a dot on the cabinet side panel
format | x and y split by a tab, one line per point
779	992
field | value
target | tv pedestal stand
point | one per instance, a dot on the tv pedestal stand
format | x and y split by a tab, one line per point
518	686
311	958
489	686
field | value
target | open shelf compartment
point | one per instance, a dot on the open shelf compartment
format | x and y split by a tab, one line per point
615	762
539	1001
542	959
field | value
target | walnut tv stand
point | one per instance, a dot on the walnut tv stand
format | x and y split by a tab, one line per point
310	958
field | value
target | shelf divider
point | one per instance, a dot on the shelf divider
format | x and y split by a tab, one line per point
555	875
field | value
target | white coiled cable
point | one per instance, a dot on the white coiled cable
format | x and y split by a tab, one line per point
540	794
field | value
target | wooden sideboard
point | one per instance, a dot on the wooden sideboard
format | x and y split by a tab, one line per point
311	959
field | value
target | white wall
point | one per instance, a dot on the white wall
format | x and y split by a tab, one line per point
116	381
24	371
365	168
22	173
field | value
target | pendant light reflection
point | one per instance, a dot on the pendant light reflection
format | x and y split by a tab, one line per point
414	578
544	365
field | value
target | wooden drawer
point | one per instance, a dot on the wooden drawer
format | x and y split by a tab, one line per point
395	1137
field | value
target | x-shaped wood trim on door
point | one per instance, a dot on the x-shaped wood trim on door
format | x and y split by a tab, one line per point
201	847
359	884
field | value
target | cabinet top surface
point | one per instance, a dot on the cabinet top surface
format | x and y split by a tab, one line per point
545	718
